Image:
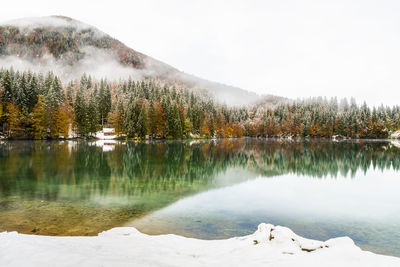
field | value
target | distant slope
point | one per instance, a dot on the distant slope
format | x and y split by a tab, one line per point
70	48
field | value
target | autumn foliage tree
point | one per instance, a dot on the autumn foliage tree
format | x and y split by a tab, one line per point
39	119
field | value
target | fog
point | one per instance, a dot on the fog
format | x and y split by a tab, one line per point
288	48
96	62
103	63
99	63
29	23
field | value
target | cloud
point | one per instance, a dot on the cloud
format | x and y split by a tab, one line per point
98	63
30	23
104	63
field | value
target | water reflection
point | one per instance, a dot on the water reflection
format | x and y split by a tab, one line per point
76	188
365	208
37	169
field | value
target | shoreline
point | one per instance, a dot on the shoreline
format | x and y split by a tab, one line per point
275	138
270	245
105	135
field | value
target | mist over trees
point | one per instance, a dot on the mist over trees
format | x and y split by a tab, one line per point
320	117
68	48
40	106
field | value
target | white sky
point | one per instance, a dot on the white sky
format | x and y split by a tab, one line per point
288	48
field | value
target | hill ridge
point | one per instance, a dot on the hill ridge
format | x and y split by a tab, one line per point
71	47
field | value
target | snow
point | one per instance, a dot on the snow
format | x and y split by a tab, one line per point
108	130
105	144
101	134
268	246
31	23
396	134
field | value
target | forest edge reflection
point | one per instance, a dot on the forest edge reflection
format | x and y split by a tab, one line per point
78	188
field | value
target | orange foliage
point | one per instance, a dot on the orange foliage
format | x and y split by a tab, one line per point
238	130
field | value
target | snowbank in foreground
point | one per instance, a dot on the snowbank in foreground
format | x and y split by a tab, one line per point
268	246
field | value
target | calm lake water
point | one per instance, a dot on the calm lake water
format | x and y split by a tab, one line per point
204	189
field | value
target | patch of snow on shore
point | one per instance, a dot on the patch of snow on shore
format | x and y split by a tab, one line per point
268	246
395	135
106	134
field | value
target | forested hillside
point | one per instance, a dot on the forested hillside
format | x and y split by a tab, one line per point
40	106
69	48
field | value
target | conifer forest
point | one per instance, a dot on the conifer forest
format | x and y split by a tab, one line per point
41	106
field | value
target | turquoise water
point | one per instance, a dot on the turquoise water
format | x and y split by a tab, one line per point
204	189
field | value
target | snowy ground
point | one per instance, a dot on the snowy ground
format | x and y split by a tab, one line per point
268	246
106	134
395	135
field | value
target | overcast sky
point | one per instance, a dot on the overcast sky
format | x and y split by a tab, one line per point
288	48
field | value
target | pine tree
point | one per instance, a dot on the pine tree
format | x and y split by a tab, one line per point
47	83
80	112
142	123
174	126
70	89
92	116
130	120
8	94
21	93
32	93
152	119
104	101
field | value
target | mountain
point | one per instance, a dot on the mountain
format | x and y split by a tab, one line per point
70	48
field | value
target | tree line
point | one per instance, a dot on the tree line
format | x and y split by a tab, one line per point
38	106
320	117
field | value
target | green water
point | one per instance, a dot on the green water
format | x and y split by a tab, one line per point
204	189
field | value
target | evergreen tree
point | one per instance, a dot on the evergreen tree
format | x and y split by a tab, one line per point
104	102
92	116
142	123
70	89
32	95
152	120
8	94
174	126
131	118
80	111
21	93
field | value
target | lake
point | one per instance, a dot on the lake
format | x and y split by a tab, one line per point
209	189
